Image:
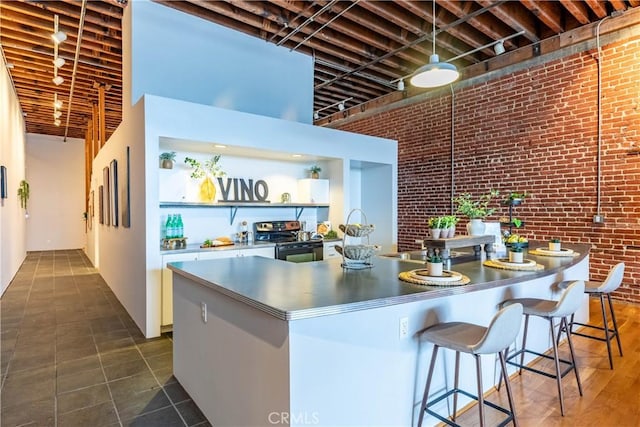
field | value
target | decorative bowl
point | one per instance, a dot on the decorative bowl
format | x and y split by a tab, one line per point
357	252
357	230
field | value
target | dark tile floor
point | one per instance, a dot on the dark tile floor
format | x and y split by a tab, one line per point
70	355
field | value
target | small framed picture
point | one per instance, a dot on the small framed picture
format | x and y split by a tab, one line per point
3	182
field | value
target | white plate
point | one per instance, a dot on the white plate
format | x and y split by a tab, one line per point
562	251
447	276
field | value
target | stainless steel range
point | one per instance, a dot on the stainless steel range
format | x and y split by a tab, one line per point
287	237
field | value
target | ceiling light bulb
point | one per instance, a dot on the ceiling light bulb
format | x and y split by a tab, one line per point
57	104
341	106
498	48
57	122
59	37
316	115
57	114
59	62
401	85
57	80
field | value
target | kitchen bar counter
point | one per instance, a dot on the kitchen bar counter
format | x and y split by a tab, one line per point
191	248
326	288
261	342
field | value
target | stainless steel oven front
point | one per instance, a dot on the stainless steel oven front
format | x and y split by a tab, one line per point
300	251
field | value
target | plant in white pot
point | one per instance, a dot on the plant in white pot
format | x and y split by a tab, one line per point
555	245
449	228
516	253
434	265
477	209
435	226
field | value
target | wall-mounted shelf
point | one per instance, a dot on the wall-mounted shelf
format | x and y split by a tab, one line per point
233	206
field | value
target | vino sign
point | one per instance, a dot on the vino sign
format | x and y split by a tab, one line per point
243	190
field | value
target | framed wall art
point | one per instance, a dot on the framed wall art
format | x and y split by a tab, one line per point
126	216
113	181
3	182
101	204
106	196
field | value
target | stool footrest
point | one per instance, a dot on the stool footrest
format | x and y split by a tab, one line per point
569	368
611	332
471	396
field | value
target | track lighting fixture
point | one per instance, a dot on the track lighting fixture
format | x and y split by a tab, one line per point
340	104
316	115
57	114
401	85
498	48
58	37
57	122
59	62
57	104
57	80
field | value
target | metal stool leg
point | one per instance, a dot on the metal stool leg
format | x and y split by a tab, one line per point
423	407
480	396
455	386
615	324
503	366
557	364
573	357
524	341
606	330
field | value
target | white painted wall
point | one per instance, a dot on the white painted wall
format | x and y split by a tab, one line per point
180	56
55	172
13	224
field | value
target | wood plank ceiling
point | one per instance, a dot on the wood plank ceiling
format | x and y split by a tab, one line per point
361	47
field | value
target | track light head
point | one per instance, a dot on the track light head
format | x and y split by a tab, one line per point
57	80
401	85
316	115
341	106
59	37
57	122
59	62
57	114
498	48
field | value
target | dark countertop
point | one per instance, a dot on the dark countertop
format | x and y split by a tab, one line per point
291	291
196	248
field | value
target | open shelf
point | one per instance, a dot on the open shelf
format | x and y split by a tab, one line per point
233	206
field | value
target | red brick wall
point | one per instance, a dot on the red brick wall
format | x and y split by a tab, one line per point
533	130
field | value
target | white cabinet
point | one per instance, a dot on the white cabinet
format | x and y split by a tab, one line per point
329	250
313	190
167	275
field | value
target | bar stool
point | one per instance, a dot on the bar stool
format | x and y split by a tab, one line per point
610	284
568	304
476	340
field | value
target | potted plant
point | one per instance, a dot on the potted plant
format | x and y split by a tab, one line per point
167	159
555	245
476	209
514	198
515	253
315	171
210	169
450	222
435	226
434	265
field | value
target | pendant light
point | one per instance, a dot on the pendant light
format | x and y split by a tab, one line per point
435	73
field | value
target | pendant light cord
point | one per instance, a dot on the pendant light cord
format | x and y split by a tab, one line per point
433	27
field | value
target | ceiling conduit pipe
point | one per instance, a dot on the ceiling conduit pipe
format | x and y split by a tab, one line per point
453	117
598	218
75	67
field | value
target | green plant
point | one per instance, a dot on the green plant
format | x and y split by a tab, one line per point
210	167
476	208
315	169
331	234
517	222
436	222
449	221
554	240
168	156
23	193
434	259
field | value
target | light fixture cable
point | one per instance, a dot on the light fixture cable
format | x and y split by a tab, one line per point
83	11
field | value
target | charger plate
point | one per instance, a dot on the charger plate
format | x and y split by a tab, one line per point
503	263
421	277
561	253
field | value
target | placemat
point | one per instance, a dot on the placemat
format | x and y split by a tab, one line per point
504	264
546	252
414	277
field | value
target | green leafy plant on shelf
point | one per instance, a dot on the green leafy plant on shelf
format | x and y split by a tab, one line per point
434	259
210	167
476	208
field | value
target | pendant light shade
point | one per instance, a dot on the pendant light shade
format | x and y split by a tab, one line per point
435	73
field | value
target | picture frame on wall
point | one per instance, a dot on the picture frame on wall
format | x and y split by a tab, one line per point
101	204
106	196
3	182
126	216
113	181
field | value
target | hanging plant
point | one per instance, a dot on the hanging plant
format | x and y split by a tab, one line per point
23	193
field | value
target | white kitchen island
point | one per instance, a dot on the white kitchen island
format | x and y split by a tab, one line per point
261	342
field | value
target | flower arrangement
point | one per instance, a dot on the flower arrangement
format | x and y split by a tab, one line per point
476	208
210	167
